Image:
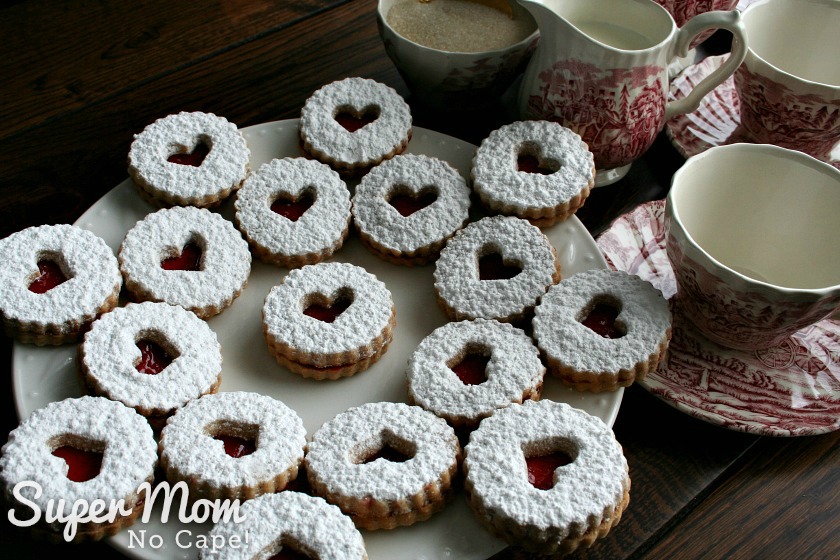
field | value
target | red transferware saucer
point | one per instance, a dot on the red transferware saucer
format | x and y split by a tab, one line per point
789	390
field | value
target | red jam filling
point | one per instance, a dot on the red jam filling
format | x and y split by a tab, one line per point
81	465
541	468
329	312
493	267
293	208
49	276
408	203
602	320
532	164
352	121
153	358
472	370
189	259
389	454
237	447
194	158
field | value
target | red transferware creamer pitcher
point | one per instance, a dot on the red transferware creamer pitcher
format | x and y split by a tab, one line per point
600	69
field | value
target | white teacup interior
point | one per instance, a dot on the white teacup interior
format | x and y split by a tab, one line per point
800	37
762	212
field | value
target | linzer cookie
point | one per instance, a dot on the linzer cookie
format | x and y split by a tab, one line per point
195	159
354	124
293	212
537	170
328	320
406	208
464	371
55	281
384	464
546	477
622	321
496	268
186	256
286	525
84	449
233	445
153	357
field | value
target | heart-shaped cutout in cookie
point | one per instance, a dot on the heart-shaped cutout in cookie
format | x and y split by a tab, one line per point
239	439
293	207
327	310
407	202
352	119
188	259
83	457
50	274
601	316
492	266
544	457
192	158
530	160
155	355
392	448
289	552
471	364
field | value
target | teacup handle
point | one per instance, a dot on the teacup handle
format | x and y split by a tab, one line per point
730	21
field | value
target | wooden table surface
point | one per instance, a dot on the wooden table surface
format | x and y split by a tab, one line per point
79	78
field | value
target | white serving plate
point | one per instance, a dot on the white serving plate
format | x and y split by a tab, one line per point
43	375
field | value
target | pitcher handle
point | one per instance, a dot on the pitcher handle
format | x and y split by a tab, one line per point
730	21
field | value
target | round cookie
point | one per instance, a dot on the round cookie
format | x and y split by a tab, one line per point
384	464
601	329
496	268
328	320
233	445
89	448
195	159
537	170
153	357
354	124
55	281
546	477
406	208
186	256
464	371
277	523
293	212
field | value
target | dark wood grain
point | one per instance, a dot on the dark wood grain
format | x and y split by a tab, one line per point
86	76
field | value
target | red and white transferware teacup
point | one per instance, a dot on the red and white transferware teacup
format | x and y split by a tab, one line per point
789	83
752	234
600	69
683	10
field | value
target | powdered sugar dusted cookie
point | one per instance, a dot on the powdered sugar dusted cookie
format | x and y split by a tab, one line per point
406	208
186	256
621	321
153	357
233	445
54	282
328	320
195	159
89	448
354	124
384	464
495	268
294	211
546	477
464	371
537	170
287	525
